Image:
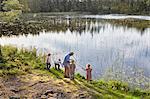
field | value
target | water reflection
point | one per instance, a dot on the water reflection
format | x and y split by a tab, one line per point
94	41
77	25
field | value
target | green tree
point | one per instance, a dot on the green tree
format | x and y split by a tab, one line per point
25	7
10	5
12	10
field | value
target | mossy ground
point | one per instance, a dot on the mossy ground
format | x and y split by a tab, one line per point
25	71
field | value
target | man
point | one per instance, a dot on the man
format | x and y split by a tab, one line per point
66	64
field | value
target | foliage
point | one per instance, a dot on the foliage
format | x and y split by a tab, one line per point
115	88
10	5
12	9
93	6
118	85
25	6
19	61
80	76
10	16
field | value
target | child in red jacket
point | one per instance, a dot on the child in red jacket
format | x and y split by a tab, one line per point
88	72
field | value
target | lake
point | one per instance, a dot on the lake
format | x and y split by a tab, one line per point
100	43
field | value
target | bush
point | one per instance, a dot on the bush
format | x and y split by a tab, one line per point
137	92
118	85
19	61
80	76
10	16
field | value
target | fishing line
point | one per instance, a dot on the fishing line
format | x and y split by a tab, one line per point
80	65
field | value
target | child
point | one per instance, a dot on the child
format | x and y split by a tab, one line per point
57	63
72	69
88	72
48	61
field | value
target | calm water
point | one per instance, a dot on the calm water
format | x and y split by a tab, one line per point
117	16
100	44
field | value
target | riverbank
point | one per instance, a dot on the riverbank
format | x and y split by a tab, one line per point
23	75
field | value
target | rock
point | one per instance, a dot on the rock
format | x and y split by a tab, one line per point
52	98
14	97
67	80
81	94
61	83
68	91
60	95
49	92
13	89
50	95
43	97
41	81
55	95
83	97
1	93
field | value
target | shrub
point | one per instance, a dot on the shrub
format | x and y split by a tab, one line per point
10	16
118	85
19	61
137	92
80	76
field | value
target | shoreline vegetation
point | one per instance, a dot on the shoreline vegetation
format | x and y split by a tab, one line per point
18	64
31	24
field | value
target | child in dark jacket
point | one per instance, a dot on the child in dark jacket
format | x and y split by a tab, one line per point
48	61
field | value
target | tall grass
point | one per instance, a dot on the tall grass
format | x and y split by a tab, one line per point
19	61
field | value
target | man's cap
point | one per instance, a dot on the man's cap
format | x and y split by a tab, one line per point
71	53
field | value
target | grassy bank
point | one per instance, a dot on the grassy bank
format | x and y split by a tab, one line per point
20	62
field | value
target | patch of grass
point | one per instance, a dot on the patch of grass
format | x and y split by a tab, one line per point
19	61
57	73
111	89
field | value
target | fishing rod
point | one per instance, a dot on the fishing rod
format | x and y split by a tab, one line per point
79	64
84	68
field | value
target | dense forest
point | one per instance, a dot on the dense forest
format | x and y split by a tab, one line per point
92	6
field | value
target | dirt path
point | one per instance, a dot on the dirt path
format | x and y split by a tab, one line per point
37	86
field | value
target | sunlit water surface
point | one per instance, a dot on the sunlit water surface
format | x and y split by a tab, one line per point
101	44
